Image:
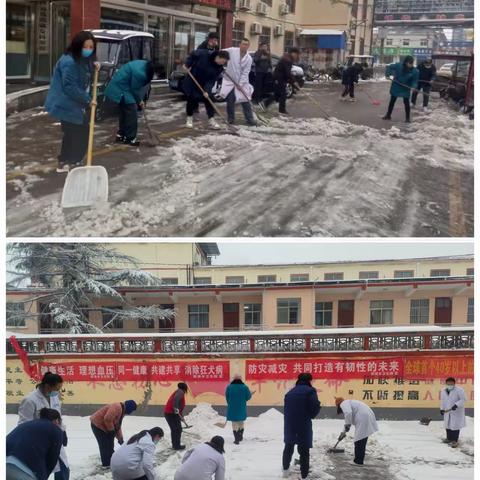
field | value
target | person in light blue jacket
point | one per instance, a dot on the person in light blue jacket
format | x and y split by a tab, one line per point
128	88
404	78
69	98
237	395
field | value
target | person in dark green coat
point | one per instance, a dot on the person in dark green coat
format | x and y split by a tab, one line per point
237	395
127	89
404	77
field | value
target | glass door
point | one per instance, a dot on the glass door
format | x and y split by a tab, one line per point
60	30
201	32
42	42
17	36
159	27
181	42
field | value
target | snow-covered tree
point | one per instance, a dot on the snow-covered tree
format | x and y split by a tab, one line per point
69	277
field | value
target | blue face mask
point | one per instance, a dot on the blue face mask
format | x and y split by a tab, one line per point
53	394
86	52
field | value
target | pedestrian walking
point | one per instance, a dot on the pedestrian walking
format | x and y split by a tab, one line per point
453	410
206	67
106	425
33	448
46	395
135	459
263	71
350	76
173	414
282	76
69	98
210	43
301	406
426	75
362	417
128	88
203	462
236	87
404	78
237	395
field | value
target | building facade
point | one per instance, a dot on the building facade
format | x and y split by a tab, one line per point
201	297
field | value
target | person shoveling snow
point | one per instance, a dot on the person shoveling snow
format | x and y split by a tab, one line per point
362	417
173	414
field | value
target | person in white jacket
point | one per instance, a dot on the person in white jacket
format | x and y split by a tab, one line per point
203	462
453	410
361	415
47	395
236	87
134	460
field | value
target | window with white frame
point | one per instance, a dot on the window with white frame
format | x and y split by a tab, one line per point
252	313
198	316
389	41
170	281
381	312
424	42
265	36
15	315
333	276
235	279
323	314
202	280
406	42
238	33
403	274
366	275
110	319
288	310
266	278
419	311
299	277
470	311
440	272
288	40
470	271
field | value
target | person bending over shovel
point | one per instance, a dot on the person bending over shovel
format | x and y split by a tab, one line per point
361	415
69	98
173	414
127	89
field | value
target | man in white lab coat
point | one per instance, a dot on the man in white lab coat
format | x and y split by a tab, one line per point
453	410
236	87
361	415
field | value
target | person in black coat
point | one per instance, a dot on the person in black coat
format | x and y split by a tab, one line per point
33	448
427	73
210	43
206	67
263	70
349	78
282	75
301	406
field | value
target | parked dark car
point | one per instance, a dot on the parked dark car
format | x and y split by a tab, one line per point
115	48
177	77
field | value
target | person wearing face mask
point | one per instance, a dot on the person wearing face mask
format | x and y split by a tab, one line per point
47	395
134	460
453	410
404	78
426	75
69	98
33	448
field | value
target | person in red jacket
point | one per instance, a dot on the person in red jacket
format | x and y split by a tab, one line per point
173	414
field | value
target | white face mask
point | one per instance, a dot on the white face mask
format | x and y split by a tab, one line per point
450	387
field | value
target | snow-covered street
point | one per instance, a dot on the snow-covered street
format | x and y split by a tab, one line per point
401	450
350	175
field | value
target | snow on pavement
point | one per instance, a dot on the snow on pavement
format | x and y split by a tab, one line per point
401	450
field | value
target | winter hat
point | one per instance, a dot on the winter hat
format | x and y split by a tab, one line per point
130	406
218	442
338	401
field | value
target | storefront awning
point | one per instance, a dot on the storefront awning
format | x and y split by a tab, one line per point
327	38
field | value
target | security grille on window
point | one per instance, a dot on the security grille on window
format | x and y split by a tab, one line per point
170	281
470	311
367	275
266	278
110	319
299	277
381	312
288	310
403	274
253	313
234	279
198	316
265	36
419	311
333	276
323	314
288	40
440	273
202	280
238	33
15	314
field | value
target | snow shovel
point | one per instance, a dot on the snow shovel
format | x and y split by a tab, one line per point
186	425
335	449
212	103
86	186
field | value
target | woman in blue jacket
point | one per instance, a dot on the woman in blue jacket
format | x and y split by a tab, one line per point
127	89
69	98
404	81
206	66
237	395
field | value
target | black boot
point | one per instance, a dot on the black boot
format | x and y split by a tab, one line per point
241	433
236	434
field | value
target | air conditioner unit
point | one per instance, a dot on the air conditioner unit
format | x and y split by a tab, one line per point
284	9
245	5
256	29
278	31
261	8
